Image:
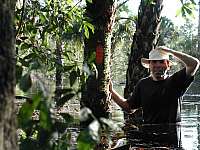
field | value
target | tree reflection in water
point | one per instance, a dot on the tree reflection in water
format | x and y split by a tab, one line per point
185	135
155	137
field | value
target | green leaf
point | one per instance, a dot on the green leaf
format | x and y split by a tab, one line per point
89	25
25	46
19	70
72	77
42	18
64	99
45	119
68	118
85	141
24	62
189	8
178	11
193	2
26	111
92	57
90	1
68	68
86	32
25	82
25	114
30	56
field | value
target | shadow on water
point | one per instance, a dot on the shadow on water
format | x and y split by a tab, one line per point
182	136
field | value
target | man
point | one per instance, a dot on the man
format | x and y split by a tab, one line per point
158	94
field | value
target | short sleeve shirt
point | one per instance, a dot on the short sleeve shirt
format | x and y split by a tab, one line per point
159	99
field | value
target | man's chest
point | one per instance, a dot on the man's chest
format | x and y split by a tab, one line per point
156	95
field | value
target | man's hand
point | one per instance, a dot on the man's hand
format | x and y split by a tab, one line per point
191	63
165	50
110	86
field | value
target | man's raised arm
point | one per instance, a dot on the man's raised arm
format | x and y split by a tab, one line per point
191	63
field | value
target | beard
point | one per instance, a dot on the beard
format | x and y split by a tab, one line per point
159	73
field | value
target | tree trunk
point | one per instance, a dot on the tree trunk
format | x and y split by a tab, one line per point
95	95
199	30
144	40
8	138
58	65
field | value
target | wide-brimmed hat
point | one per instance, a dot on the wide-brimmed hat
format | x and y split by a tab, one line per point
156	55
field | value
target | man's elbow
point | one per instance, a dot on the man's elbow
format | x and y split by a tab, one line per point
192	69
196	64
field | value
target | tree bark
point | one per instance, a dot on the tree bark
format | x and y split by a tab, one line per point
95	95
58	65
199	30
144	40
8	138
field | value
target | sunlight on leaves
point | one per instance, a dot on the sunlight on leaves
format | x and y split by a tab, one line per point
94	130
85	113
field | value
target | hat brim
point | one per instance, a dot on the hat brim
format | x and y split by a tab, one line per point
145	62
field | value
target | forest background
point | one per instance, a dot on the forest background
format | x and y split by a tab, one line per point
55	67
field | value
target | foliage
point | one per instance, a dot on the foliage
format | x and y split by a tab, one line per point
187	9
39	26
121	43
167	31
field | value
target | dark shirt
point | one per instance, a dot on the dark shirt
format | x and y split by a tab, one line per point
159	99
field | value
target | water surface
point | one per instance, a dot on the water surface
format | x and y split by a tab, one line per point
184	135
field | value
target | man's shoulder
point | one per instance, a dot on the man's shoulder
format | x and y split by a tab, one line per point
181	74
144	80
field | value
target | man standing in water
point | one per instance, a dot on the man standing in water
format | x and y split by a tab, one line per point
158	93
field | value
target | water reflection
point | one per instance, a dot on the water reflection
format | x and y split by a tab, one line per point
185	135
190	124
154	136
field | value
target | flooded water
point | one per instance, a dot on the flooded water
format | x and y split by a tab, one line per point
190	129
184	135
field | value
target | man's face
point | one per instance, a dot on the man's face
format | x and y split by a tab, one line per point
158	69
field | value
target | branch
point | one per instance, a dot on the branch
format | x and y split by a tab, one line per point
122	4
21	19
75	5
127	18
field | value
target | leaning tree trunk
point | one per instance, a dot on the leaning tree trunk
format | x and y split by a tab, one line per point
95	95
8	138
144	40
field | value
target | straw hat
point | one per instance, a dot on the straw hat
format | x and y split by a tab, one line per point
156	55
